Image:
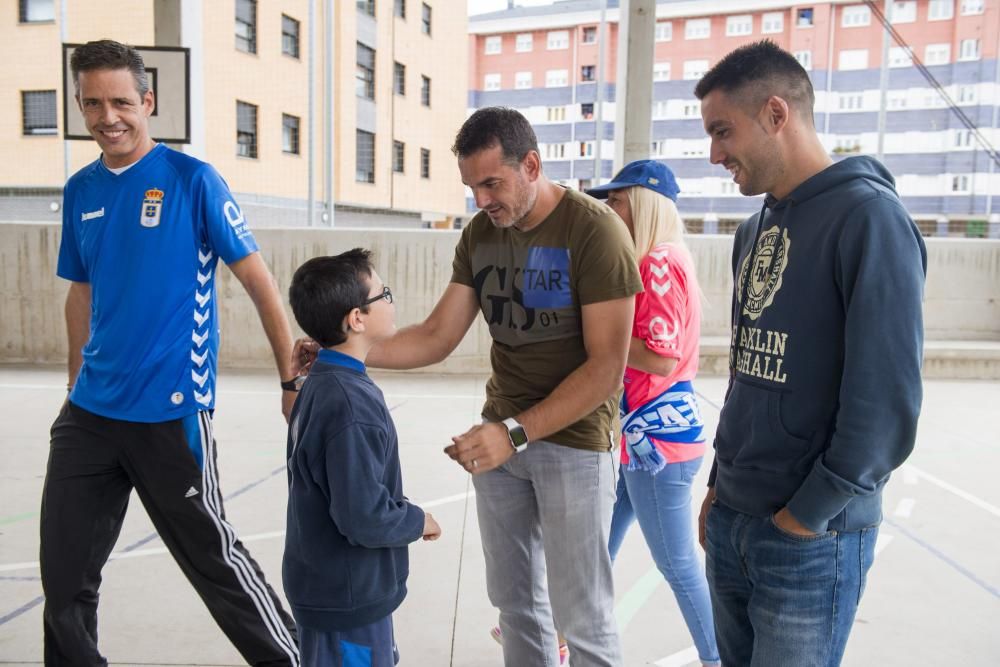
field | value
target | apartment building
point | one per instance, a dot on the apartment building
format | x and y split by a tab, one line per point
543	60
385	106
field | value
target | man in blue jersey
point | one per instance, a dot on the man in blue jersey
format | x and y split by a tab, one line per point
143	229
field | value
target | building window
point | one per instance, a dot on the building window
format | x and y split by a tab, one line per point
697	29
364	74
557	39
855	16
523	42
425	90
967	95
772	22
425	163
399	78
972	7
425	19
290	134
960	183
660	109
895	100
522	80
246	25
900	57
805	59
851	101
590	35
904	12
555	114
491	81
398	156
399	8
941	10
38	112
366	7
664	31
588	73
969	49
37	11
851	59
847	144
493	45
556	78
962	139
246	129
691	110
364	157
741	24
554	151
587	111
804	17
937	54
289	36
586	149
695	69
661	71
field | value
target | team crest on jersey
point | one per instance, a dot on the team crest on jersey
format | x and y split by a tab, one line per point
770	259
151	206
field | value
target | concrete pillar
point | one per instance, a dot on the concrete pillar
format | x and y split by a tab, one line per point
942	226
994	226
711	224
634	81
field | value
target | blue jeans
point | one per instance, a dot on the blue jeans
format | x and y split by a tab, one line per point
543	520
662	504
783	600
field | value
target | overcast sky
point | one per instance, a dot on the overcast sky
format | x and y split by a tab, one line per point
486	6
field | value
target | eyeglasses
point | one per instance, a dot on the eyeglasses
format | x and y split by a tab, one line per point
386	294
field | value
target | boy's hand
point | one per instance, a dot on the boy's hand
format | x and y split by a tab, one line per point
432	530
483	447
303	355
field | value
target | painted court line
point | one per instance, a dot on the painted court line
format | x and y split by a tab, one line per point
951	488
905	508
257	537
679	659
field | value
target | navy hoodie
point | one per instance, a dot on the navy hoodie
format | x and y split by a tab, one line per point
346	562
827	348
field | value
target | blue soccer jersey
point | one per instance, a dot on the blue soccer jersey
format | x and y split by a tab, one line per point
148	241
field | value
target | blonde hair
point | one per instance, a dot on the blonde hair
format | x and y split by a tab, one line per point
655	220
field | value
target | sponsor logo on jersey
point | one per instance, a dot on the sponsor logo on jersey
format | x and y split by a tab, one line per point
93	214
151	206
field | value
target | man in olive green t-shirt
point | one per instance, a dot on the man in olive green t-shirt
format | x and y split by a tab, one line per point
554	274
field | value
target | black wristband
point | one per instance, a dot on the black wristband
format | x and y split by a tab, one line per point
294	384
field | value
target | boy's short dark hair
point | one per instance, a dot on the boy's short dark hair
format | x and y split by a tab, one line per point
754	72
490	126
108	54
325	289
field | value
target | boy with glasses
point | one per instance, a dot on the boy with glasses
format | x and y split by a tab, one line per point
346	561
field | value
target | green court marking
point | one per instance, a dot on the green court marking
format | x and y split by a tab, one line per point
17	517
632	601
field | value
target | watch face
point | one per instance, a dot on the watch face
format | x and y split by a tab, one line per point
518	436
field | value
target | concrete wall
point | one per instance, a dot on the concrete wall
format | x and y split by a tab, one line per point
962	296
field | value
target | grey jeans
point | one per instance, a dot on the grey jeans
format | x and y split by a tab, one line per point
545	517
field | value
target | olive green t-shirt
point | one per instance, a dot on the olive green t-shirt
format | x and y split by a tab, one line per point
531	287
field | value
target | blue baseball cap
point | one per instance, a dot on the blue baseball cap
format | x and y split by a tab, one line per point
650	174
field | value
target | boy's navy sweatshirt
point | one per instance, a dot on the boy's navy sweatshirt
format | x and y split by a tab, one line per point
827	347
346	560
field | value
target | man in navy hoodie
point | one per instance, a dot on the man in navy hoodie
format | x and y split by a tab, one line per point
824	388
346	562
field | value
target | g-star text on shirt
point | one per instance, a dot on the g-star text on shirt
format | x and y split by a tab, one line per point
498	302
761	354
